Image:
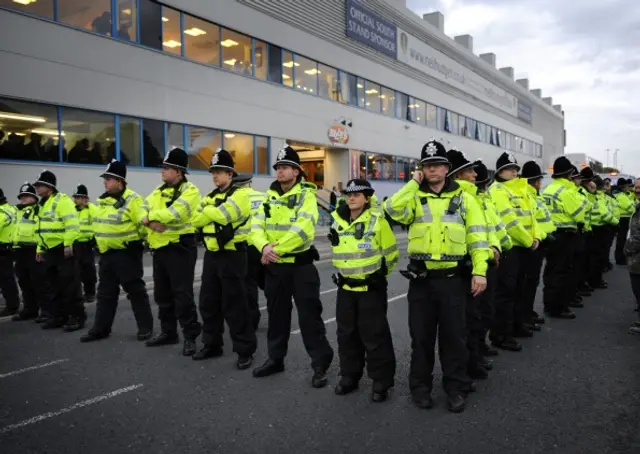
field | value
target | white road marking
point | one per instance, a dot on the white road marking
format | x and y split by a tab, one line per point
53	414
27	369
331	320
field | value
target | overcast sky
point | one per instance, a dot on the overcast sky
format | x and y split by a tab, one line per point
583	53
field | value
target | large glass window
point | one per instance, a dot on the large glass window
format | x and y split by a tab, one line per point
372	96
175	136
171	39
127	20
418	111
360	90
241	148
203	143
151	23
260	59
306	74
328	82
432	118
483	132
94	15
89	136
262	152
287	68
453	123
462	125
441	119
402	106
28	131
130	141
471	128
201	41
388	101
348	89
381	167
236	52
275	64
42	8
153	142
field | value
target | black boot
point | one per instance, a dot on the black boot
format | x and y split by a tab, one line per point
477	373
53	323
507	343
319	379
144	334
8	312
208	351
188	347
379	392
23	316
522	332
346	385
74	324
163	339
486	350
457	403
422	398
93	336
244	362
485	363
270	367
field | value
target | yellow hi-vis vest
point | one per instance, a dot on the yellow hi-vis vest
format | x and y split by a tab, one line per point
57	222
583	193
288	219
472	190
365	244
567	206
256	198
85	218
437	236
118	220
173	206
24	229
7	217
614	208
543	217
495	224
627	204
516	210
219	209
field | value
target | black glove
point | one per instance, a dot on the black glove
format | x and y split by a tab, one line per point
333	237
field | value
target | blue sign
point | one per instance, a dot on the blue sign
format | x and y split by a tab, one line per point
370	29
525	112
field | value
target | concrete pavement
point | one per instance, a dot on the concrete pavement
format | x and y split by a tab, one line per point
575	388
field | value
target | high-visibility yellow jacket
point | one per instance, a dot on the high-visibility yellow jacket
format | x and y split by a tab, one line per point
57	222
85	218
584	194
439	238
173	206
472	190
614	208
288	219
366	246
601	213
24	228
627	204
219	209
256	198
117	221
7	217
494	223
543	217
567	206
516	210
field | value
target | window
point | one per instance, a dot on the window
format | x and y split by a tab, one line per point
453	123
94	15
499	138
262	155
153	142
306	74
357	164
406	168
432	116
472	125
203	143
387	100
274	62
360	90
43	8
492	135
328	82
402	106
509	141
171	39
241	148
151	23
28	131
287	69
381	167
201	41
348	89
89	136
260	59
441	119
236	52
418	112
130	141
483	134
372	96
127	20
175	136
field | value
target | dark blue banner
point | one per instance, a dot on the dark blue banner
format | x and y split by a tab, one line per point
525	112
370	29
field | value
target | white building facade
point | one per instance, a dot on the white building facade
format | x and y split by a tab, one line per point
356	86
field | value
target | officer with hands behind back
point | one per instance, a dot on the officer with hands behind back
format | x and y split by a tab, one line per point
446	227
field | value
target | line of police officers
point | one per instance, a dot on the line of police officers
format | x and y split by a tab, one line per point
475	250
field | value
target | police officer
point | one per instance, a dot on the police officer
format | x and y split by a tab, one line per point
7	278
516	208
613	226
602	220
446	225
284	230
83	247
223	295
171	237
495	226
586	189
31	278
57	230
255	269
464	174
532	267
627	206
568	209
119	239
364	254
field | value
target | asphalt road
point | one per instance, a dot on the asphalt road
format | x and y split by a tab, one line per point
575	388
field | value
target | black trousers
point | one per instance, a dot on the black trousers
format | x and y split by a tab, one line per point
558	273
173	274
475	330
486	303
621	239
635	288
122	268
584	265
531	268
85	261
598	253
223	296
302	282
363	333
8	280
32	280
66	300
437	307
254	281
508	307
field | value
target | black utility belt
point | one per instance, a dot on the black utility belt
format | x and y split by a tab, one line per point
566	231
304	258
417	270
370	280
6	247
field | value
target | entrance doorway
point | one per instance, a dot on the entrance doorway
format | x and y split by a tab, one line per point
314	171
312	160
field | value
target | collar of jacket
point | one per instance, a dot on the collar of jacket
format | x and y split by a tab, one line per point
220	191
469	187
344	213
22	206
295	189
449	186
117	195
44	199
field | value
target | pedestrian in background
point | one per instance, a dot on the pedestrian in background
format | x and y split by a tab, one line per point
632	253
